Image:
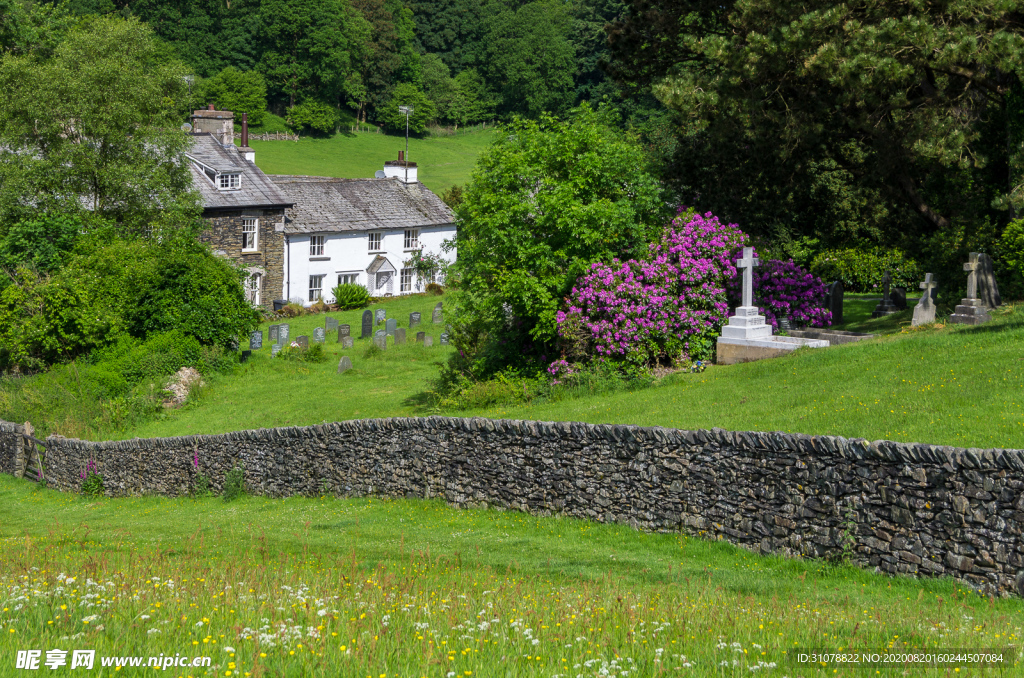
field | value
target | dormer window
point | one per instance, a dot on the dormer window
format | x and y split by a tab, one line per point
227	182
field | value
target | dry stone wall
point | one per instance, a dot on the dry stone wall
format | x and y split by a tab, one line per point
903	508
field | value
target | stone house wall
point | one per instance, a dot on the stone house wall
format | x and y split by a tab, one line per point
225	236
904	508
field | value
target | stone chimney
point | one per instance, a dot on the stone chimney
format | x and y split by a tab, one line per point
221	124
401	168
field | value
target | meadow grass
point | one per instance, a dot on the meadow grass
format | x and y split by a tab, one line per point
443	161
374	587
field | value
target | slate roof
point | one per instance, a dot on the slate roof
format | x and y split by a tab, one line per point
256	189
332	205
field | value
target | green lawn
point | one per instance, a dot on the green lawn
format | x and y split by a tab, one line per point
442	161
412	589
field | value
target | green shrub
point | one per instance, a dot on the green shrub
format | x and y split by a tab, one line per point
313	115
372	352
314	354
293	310
434	289
201	486
272	124
216	359
237	91
862	270
349	295
234	483
92	486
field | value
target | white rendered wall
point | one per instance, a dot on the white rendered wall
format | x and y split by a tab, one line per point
349	253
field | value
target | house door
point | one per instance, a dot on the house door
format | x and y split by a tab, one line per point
252	288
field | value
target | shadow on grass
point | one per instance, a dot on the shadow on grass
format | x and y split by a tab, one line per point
422	404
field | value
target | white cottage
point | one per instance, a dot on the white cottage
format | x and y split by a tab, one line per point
360	231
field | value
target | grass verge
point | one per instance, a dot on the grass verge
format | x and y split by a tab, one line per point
410	588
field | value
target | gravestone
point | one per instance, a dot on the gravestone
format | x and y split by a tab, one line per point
834	302
899	298
444	338
972	310
924	312
367	328
428	340
319	335
275	349
330	325
380	340
436	316
282	334
303	341
256	340
988	290
885	306
419	337
233	345
414	320
344	331
272	334
784	324
347	342
399	336
345	364
380	315
245	356
390	326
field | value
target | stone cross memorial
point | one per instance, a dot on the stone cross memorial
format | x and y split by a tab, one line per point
414	320
302	341
344	331
330	325
419	337
319	335
399	336
924	312
747	337
347	342
391	325
256	340
886	306
345	364
367	328
972	310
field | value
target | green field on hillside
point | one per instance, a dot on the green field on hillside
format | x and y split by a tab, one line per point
442	160
949	385
408	588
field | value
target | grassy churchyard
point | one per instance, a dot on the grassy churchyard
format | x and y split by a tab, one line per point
443	161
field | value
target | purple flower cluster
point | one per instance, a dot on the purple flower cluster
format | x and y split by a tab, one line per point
669	305
90	469
783	289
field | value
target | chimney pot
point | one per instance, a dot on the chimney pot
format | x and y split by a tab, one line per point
401	156
210	107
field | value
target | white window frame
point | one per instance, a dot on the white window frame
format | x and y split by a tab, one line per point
348	278
406	280
250	227
253	285
316	287
376	238
316	245
229	182
412	239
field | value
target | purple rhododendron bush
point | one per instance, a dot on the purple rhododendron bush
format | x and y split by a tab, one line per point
783	289
666	308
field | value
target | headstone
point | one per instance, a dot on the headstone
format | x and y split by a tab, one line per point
245	356
988	290
330	325
302	341
367	328
347	342
380	340
272	334
885	306
428	340
414	320
436	315
924	312
233	345
381	315
899	298
344	331
345	364
419	337
399	336
972	310
256	340
834	302
444	338
390	326
275	349
282	334
784	323
319	335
